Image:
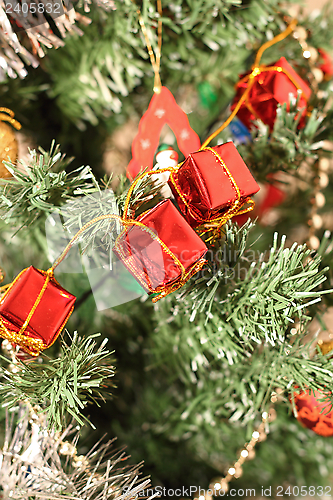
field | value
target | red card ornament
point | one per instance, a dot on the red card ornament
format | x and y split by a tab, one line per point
162	110
270	85
161	250
309	413
34	310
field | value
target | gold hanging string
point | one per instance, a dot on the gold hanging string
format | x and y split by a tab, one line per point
256	71
7	115
154	59
278	38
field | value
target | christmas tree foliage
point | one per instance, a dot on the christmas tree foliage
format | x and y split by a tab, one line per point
201	332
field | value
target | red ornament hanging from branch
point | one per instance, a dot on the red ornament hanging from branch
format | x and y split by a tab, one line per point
310	412
162	110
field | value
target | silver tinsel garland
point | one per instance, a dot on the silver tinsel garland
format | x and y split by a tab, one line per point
38	464
32	17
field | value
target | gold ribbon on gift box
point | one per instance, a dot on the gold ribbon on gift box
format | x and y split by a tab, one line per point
214	224
31	345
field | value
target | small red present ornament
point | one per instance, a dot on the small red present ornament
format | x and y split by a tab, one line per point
309	413
34	310
213	185
265	88
160	249
326	64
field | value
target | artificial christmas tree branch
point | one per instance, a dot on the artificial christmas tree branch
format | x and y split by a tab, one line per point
249	341
287	147
198	369
41	186
45	26
62	386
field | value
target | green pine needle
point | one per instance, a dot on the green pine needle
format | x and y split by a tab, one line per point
81	374
40	186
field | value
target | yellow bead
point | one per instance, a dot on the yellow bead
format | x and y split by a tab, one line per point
300	34
314	242
262	436
224	486
215	485
317	221
313	54
238	472
323	180
318	74
320	200
324	164
272	415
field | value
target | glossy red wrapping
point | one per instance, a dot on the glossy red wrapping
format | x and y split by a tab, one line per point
204	183
270	89
309	413
163	110
51	313
146	259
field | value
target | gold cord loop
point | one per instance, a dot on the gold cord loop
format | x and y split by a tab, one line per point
7	115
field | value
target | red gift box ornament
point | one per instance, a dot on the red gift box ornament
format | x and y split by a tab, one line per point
213	185
160	249
292	82
268	86
34	310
